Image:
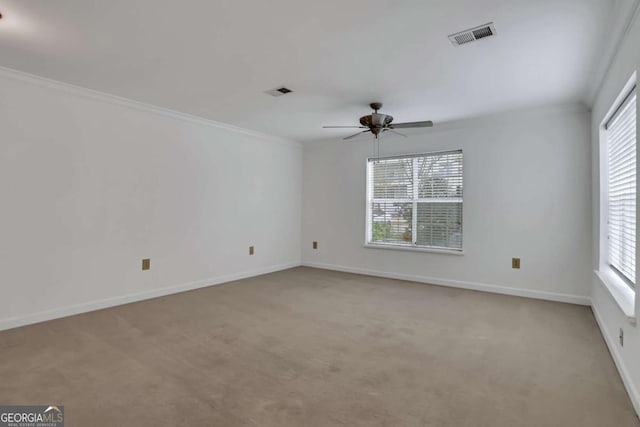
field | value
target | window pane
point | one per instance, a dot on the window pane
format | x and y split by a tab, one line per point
439	225
416	200
391	222
393	179
440	176
621	153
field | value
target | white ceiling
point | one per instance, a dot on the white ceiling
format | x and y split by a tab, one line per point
216	58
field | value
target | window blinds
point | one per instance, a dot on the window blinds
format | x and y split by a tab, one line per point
416	201
621	152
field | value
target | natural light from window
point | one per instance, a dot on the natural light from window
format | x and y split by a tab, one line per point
415	201
620	131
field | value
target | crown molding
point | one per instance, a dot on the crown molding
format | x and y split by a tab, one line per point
623	20
33	79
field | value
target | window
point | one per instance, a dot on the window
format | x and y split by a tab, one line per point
620	131
415	201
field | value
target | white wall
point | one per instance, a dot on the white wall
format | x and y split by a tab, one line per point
91	184
609	315
526	194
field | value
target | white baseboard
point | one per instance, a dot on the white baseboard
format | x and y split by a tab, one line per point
528	293
14	322
56	313
617	359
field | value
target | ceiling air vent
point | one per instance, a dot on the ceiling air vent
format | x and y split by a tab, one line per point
279	91
477	33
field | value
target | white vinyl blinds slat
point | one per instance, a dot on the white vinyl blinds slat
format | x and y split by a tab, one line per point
621	153
416	200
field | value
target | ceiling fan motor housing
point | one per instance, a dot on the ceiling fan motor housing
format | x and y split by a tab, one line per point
376	120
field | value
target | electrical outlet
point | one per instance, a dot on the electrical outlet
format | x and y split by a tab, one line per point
621	337
250	250
315	245
146	264
515	262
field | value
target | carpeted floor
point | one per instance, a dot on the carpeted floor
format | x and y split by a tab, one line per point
307	347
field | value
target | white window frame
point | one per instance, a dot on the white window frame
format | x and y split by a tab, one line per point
412	246
620	290
619	105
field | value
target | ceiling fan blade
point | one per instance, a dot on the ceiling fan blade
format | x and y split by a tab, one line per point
393	131
356	134
426	124
341	127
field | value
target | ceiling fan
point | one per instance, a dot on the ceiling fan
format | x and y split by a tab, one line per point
377	123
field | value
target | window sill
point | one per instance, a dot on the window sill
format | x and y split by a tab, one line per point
622	294
412	249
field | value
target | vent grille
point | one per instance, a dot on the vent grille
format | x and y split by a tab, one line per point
473	34
279	91
464	38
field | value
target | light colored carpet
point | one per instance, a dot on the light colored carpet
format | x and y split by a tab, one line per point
307	347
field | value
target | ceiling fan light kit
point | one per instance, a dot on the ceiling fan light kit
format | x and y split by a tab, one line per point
377	123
